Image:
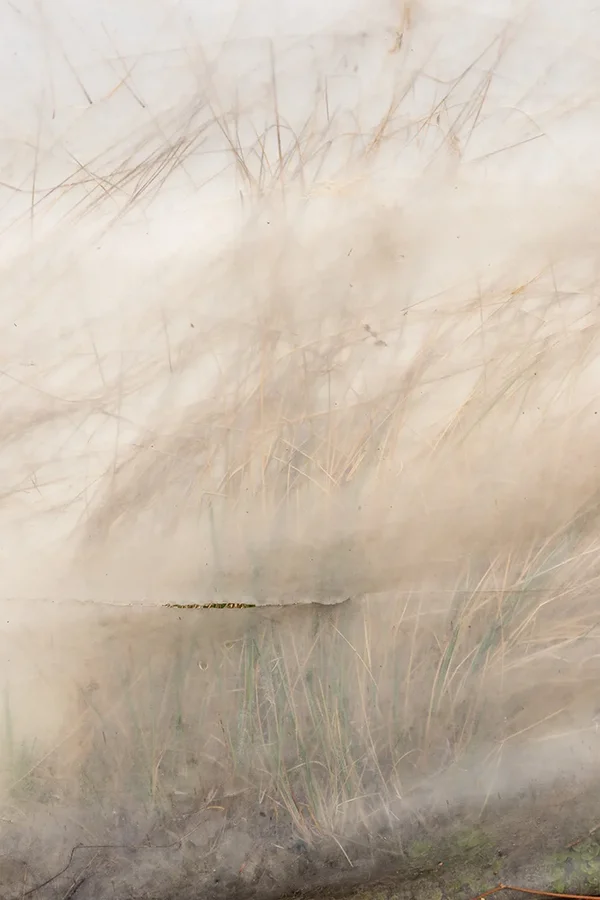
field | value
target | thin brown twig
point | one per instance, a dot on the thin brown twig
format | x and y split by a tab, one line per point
584	838
521	890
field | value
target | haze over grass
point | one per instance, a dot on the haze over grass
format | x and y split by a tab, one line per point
370	364
297	304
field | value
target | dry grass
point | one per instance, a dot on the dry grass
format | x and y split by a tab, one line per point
392	399
334	722
347	439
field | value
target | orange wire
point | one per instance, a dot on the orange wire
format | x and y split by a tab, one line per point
520	890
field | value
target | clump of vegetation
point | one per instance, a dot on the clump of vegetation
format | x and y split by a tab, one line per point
387	404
